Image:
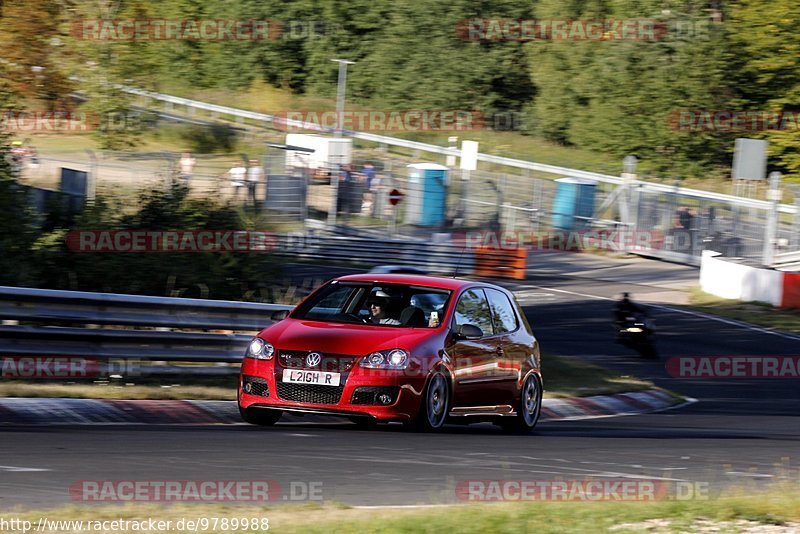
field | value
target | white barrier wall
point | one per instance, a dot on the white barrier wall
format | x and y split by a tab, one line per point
735	281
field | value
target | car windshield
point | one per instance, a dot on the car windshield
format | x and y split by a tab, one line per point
390	305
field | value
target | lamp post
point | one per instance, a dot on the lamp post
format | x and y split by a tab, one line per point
340	91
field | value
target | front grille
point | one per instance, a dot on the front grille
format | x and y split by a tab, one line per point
256	385
332	363
311	393
370	394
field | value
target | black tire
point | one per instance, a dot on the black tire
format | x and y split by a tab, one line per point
648	350
260	416
528	410
435	404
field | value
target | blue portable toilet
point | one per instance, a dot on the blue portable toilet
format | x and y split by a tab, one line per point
573	204
426	198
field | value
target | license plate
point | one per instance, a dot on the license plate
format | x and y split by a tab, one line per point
297	376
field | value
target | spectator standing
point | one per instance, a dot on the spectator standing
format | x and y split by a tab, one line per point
237	175
255	174
686	217
186	165
347	173
369	174
368	193
345	193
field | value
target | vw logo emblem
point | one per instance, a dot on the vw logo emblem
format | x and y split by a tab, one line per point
313	359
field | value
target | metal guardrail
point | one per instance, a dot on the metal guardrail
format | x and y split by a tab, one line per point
105	344
67	323
439	258
44	308
24	303
787	260
434	149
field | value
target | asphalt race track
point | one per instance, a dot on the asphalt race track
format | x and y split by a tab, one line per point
740	432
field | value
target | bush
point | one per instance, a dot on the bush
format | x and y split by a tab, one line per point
209	139
217	275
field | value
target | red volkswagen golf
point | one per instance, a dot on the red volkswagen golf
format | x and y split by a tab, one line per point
391	347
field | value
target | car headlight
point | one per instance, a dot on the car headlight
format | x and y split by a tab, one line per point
260	350
386	359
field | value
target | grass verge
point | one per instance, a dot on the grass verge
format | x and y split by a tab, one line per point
570	377
787	320
751	512
564	377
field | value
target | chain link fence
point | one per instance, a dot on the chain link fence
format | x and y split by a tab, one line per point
358	194
687	225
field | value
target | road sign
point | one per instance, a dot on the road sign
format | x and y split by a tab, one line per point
395	197
749	159
469	155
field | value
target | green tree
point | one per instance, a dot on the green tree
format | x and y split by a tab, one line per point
619	96
219	275
32	49
17	223
420	59
765	36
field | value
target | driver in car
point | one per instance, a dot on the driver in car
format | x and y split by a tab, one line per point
377	310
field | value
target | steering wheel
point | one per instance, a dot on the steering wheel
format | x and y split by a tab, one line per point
358	317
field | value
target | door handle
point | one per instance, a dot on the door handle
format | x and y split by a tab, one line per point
499	351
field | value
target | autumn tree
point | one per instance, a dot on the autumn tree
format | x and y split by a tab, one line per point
32	48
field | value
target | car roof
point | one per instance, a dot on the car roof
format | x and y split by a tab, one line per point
397	269
411	279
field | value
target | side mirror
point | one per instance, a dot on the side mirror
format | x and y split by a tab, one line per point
279	315
468	331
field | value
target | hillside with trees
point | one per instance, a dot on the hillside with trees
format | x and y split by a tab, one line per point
618	96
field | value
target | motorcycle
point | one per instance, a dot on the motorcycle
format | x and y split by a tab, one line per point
637	332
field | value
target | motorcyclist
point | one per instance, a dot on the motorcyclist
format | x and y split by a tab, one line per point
640	338
625	308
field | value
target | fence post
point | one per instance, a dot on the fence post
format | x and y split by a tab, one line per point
501	195
462	205
537	202
334	204
794	242
774	196
628	208
91	192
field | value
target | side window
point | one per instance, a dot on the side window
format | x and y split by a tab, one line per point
505	320
473	308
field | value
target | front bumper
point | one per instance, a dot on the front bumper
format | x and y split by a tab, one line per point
324	400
